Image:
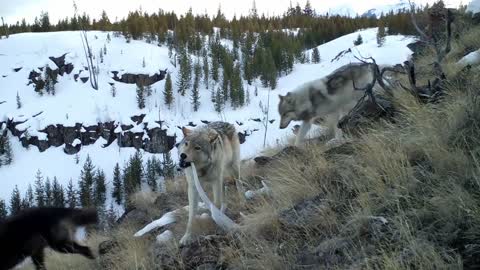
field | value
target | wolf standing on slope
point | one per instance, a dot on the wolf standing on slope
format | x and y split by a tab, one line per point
28	233
215	151
333	94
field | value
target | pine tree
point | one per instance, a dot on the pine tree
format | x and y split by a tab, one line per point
168	92
48	192
140	96
256	91
117	192
148	90
381	34
144	64
29	197
196	83
19	102
315	55
113	90
101	56
3	210
184	80
132	176
15	202
100	190
168	166
39	189
105	45
248	97
7	149
111	217
86	183
358	41
206	71
219	101
151	174
71	195
58	196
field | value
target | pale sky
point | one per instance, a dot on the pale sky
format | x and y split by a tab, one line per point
13	10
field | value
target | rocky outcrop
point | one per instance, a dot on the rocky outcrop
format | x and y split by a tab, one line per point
153	140
61	65
139	79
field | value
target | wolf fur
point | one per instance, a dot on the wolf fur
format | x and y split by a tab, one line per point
28	233
331	95
215	151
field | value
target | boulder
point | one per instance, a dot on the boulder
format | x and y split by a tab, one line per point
139	79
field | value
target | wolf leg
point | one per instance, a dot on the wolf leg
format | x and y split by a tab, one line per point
75	248
304	128
235	171
217	188
38	259
192	209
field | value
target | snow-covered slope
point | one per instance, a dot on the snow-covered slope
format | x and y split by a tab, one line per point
384	9
76	102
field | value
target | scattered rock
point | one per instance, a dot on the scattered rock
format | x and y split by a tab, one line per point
84	79
140	79
205	252
287	151
17	69
301	214
108	247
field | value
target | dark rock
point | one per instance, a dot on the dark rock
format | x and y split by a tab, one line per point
365	114
138	118
239	123
242	137
61	65
205	122
17	69
75	77
164	258
301	214
134	217
84	79
139	79
285	152
256	120
204	251
272	121
159	141
108	247
71	150
191	124
328	255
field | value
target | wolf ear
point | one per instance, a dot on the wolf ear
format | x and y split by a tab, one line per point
186	131
212	136
281	97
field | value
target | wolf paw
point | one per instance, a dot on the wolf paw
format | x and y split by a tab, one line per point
186	239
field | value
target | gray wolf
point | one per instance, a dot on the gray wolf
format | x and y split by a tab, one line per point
215	151
29	232
331	95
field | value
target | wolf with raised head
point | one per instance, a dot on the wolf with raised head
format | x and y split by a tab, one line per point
215	151
29	232
331	95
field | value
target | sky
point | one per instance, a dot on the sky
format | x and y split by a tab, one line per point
14	10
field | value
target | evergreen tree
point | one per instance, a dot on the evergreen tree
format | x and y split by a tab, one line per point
7	150
219	101
3	210
143	63
315	56
237	92
168	92
381	33
140	96
15	202
111	217
48	192
196	83
132	176
206	71
168	166
184	80
358	41
100	188
71	195
117	192
248	96
151	174
39	189
19	102
256	91
86	183
105	45
113	90
148	90
58	196
29	198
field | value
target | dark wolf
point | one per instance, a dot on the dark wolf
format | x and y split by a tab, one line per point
29	232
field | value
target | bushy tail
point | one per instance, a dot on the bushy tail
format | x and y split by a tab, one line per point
84	216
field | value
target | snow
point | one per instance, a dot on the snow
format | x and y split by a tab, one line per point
76	102
264	190
164	237
472	59
76	142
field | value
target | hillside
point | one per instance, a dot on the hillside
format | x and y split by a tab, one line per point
76	102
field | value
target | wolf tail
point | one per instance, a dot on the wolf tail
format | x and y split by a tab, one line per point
84	216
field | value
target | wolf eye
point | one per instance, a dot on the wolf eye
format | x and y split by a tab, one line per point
198	148
186	143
